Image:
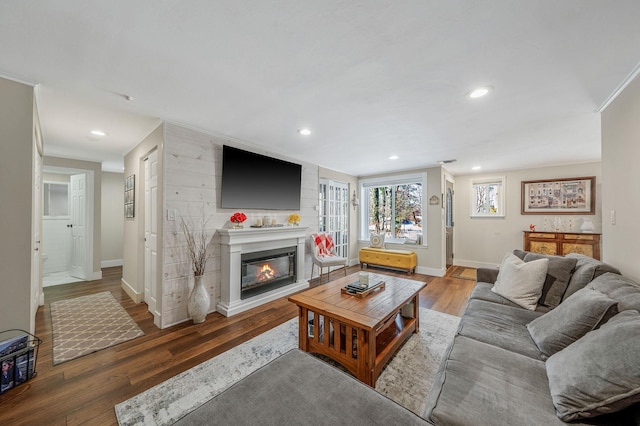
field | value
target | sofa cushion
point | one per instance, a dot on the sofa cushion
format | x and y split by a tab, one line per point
599	373
586	270
521	282
481	384
585	310
557	279
500	325
621	289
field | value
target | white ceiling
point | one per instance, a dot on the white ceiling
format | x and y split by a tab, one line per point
371	78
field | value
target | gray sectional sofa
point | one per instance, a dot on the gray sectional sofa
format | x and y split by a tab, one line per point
574	359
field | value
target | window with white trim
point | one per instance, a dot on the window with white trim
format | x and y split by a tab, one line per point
487	197
393	206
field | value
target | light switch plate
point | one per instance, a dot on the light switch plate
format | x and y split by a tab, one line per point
171	214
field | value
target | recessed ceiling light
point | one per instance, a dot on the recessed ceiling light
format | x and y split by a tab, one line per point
98	133
393	157
304	132
476	167
479	92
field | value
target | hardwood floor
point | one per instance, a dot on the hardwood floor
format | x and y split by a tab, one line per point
85	390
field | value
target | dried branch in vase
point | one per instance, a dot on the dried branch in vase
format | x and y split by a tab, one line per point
197	242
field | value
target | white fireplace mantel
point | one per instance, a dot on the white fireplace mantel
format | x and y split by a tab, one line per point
235	242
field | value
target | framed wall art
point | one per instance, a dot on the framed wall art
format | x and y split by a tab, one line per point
130	196
559	196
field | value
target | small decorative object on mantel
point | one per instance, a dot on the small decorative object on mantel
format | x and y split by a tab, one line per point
532	227
294	219
199	299
237	218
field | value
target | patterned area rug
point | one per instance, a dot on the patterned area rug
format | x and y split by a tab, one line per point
463	273
407	379
87	324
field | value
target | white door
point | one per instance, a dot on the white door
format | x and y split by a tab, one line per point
78	226
151	230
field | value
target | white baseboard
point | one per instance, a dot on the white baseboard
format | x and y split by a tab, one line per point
95	275
473	264
434	272
134	295
111	263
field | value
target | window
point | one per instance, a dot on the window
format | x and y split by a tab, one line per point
487	197
393	206
334	213
55	199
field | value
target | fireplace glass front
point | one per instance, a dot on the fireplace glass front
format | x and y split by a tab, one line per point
267	270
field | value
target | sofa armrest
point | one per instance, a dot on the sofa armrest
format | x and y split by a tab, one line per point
487	275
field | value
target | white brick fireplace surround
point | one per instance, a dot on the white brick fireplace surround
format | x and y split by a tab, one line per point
235	242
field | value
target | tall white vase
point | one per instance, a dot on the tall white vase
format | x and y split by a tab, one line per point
199	300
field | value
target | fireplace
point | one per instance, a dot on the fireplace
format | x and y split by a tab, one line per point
267	270
259	265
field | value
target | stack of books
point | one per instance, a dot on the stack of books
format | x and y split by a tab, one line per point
357	287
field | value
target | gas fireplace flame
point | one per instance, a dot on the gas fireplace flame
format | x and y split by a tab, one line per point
266	273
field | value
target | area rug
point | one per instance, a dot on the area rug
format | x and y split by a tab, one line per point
407	379
463	273
88	324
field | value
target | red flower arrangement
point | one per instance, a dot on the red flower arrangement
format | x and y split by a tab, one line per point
532	227
238	217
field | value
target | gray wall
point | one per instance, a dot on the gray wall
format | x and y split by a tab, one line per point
112	214
16	181
484	241
621	181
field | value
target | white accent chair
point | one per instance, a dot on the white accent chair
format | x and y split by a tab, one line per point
325	260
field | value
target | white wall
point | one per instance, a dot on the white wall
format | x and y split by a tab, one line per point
112	219
621	181
192	172
484	241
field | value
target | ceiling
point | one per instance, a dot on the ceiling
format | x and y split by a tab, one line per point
370	78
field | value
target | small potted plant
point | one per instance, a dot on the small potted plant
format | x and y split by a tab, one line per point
237	218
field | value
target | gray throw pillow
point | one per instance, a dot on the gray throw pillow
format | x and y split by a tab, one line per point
521	282
599	373
579	314
557	280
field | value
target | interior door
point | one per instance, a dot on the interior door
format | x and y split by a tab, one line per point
78	226
449	223
151	230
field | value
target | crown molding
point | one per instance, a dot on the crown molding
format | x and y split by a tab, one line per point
612	97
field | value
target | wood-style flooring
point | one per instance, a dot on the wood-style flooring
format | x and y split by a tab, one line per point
85	390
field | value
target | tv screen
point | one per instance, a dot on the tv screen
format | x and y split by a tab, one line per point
254	181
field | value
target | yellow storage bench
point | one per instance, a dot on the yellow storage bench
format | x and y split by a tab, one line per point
404	260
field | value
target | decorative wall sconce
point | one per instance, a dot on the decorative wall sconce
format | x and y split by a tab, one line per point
354	200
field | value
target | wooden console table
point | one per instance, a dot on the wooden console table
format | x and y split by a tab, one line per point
362	334
561	243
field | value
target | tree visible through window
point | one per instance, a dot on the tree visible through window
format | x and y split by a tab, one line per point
487	197
395	210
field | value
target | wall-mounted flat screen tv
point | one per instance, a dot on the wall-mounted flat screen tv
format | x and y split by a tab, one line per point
254	181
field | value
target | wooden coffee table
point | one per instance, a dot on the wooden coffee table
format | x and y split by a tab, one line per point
361	334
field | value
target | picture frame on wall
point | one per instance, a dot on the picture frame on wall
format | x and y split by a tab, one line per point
129	196
559	196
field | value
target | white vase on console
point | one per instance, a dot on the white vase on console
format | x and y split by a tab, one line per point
587	226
